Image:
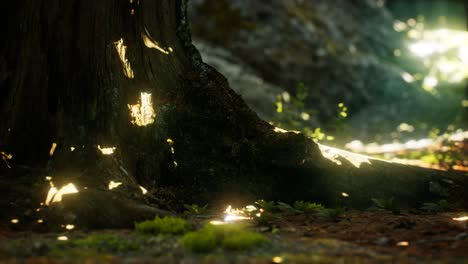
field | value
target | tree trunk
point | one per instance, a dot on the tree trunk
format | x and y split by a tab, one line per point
70	72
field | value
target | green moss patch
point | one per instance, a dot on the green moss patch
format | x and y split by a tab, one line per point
166	225
231	237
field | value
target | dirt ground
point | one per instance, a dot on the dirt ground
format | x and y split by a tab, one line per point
355	237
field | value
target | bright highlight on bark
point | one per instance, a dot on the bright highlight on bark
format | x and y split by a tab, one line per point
152	44
460	219
142	113
5	157
113	185
55	195
122	51
143	190
335	154
106	151
52	149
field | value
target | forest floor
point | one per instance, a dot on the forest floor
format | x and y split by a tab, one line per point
370	236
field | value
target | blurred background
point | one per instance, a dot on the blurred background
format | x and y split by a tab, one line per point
383	78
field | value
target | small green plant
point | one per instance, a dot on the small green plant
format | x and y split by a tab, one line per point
265	219
268	206
307	207
286	208
229	236
166	225
330	214
195	209
437	207
385	204
293	114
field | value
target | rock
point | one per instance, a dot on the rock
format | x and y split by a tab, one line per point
342	50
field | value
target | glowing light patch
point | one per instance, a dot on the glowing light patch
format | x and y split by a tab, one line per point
49	178
62	238
5	158
106	151
14	221
50	195
280	130
430	82
55	196
277	259
463	54
399	26
142	113
72	148
407	77
305	116
170	142
143	190
217	222
403	244
152	44
460	219
122	51
52	149
344	194
113	185
69	227
404	127
445	52
333	154
233	215
286	97
374	148
40	221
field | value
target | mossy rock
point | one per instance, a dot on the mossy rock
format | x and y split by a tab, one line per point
229	236
166	226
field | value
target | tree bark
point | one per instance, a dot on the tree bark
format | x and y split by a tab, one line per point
64	80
